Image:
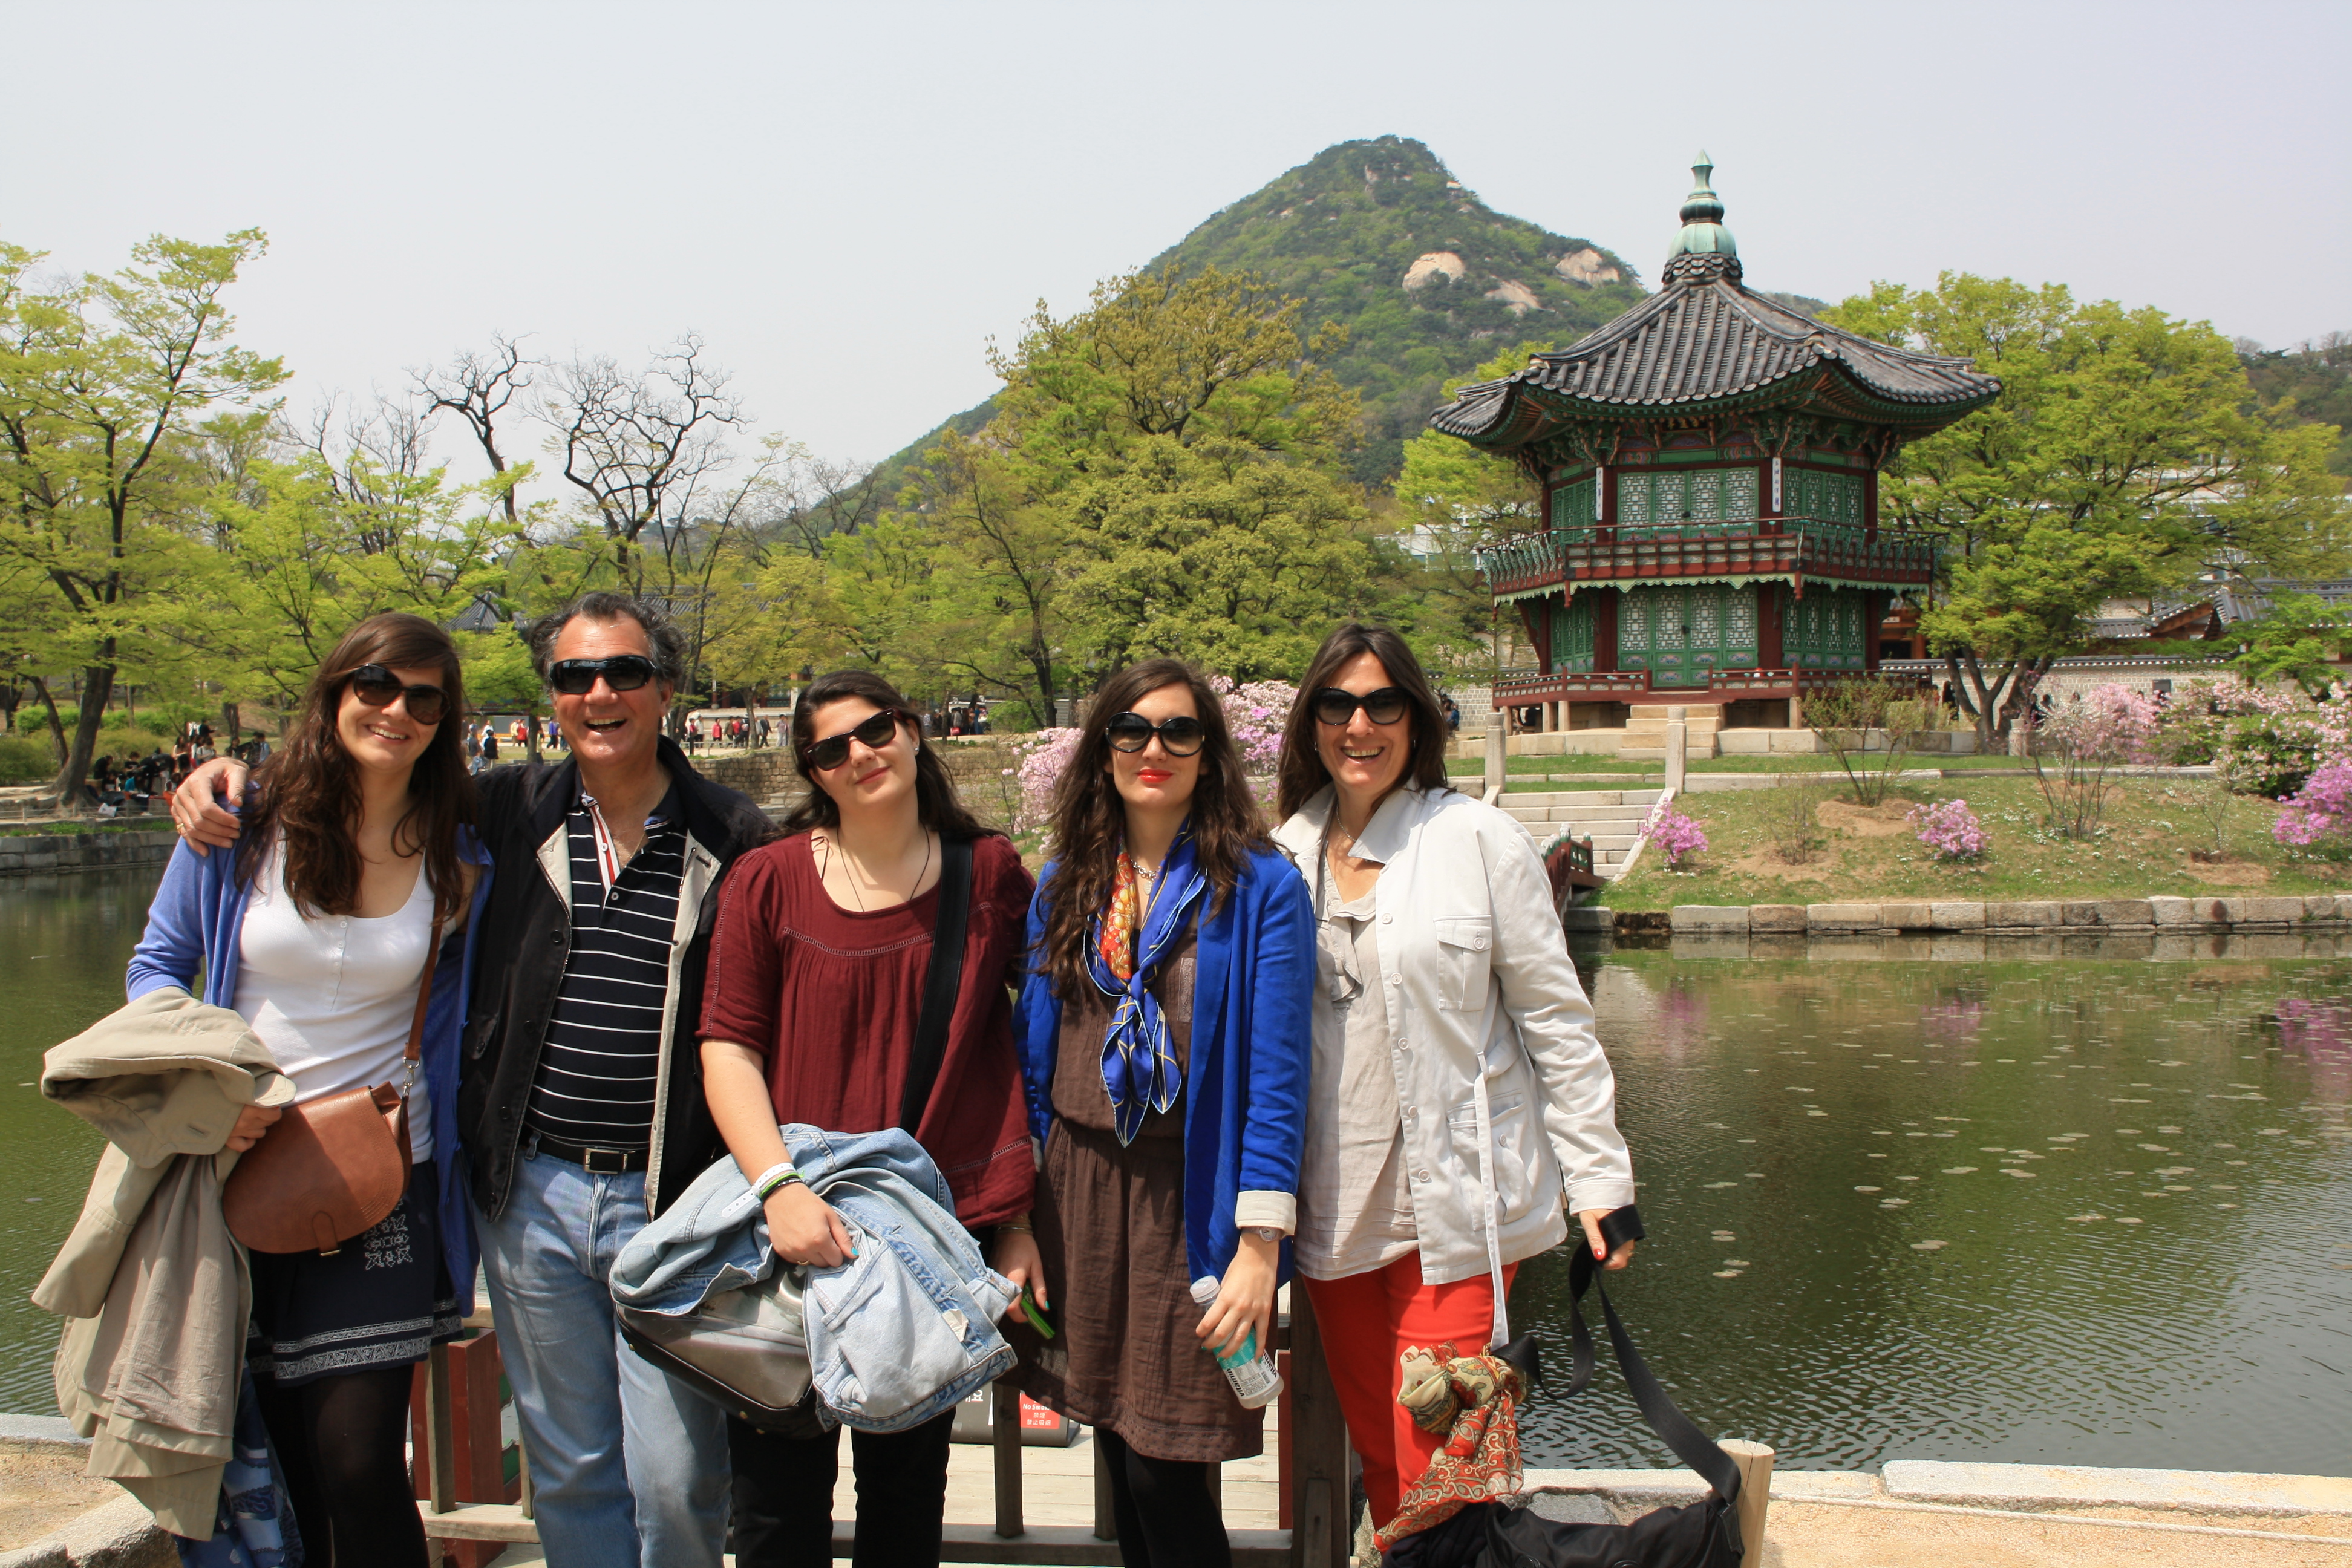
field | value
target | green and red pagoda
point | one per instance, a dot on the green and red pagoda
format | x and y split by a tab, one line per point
1709	466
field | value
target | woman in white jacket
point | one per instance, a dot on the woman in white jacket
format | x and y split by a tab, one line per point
1451	1040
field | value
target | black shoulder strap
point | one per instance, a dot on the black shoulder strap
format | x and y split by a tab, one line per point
941	981
1681	1434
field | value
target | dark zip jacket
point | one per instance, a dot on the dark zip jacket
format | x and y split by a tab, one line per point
526	933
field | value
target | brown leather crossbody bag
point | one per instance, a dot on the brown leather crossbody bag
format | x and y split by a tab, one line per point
332	1168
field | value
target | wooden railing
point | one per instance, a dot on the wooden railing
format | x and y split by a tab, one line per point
1766	547
462	1450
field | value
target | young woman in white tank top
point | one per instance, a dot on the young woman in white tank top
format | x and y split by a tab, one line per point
358	848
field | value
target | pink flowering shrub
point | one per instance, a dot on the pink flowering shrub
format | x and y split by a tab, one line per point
1043	755
2087	735
1256	712
2318	818
1678	835
1949	830
2264	741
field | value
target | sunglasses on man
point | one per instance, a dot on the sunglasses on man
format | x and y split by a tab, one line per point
622	672
873	735
379	687
1179	737
1336	707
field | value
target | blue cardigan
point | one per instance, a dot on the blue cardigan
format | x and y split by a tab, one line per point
192	926
1252	1048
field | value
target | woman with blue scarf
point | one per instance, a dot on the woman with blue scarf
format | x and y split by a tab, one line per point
1165	1040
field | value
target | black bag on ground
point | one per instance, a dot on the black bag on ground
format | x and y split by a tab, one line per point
1703	1534
745	1349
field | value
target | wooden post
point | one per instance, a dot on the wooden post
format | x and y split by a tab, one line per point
1319	1462
1106	1517
1497	752
440	1449
1755	1462
1004	1434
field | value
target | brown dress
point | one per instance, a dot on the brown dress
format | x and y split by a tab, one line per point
1125	1358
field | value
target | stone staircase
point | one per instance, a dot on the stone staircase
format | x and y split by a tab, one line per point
1646	731
1611	818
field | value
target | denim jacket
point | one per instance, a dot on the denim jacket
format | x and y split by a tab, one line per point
905	1330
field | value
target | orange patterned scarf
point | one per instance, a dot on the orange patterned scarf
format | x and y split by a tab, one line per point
1473	1402
1122	918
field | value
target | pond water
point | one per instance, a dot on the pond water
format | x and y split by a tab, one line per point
2054	1210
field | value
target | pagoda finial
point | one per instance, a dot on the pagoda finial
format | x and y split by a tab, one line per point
1703	233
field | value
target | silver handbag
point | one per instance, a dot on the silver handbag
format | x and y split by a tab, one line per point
745	1349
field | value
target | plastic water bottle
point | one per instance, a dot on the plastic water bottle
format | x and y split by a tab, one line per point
1249	1369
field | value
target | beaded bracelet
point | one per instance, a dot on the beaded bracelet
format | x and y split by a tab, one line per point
774	1178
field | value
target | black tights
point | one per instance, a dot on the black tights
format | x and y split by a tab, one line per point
342	1443
1167	1517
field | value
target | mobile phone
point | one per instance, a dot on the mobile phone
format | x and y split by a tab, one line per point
1034	1313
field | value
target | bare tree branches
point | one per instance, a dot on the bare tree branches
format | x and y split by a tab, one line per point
478	389
638	449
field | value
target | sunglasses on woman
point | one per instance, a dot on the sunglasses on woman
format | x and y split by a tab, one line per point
873	735
1179	737
1336	707
622	672
379	687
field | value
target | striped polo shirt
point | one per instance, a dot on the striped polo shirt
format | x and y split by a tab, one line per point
603	1052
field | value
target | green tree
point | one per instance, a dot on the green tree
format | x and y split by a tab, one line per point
102	383
2123	460
1457	500
1151	453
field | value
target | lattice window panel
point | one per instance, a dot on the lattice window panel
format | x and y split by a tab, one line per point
1571	505
1572	635
1667	502
1633	498
1632	621
1707	494
1706	617
1742	630
1740	495
1672	618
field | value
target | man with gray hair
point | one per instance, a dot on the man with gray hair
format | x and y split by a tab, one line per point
579	1097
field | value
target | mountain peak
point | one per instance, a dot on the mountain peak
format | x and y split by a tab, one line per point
1380	236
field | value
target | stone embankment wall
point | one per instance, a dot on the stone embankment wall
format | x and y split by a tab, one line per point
2080	916
978	767
26	853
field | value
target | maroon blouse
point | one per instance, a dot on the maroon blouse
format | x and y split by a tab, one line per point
830	997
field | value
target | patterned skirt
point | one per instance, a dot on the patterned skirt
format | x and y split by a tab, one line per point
381	1300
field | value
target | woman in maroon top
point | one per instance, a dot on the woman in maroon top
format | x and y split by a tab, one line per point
816	978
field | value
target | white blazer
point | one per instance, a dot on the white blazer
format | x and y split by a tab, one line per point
1490	1032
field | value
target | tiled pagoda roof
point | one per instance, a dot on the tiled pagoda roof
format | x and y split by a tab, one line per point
1704	343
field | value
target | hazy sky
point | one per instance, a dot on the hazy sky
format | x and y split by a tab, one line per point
847	200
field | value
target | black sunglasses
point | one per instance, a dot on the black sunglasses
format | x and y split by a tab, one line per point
379	687
873	735
1179	737
1386	706
622	672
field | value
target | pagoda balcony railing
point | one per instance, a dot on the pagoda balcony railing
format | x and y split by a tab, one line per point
1790	547
1518	687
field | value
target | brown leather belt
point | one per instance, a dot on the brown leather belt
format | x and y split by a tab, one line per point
596	1161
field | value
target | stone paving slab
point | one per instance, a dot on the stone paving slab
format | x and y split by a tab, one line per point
2060	1486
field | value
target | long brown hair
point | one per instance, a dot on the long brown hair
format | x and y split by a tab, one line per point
310	795
1302	771
937	806
1090	820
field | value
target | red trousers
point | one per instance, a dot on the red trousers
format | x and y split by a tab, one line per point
1366	1321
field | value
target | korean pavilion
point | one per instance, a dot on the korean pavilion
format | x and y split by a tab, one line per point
1709	466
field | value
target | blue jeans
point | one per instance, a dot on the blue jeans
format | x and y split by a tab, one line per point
628	1469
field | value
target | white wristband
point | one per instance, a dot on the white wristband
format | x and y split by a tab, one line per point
773	1178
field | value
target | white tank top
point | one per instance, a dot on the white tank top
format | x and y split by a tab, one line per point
332	997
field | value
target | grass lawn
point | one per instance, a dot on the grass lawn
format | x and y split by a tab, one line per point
88	825
1471	767
2142	846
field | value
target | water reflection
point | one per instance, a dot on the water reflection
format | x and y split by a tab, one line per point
2050	1210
